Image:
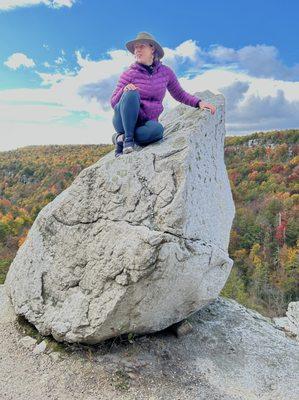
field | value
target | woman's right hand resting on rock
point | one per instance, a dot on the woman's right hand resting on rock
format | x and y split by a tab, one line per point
209	106
130	86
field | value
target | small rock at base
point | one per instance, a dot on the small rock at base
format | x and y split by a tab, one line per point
181	328
40	348
28	342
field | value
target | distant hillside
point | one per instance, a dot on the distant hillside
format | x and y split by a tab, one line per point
263	169
31	177
264	174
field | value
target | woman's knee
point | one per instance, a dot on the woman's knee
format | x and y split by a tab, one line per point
129	94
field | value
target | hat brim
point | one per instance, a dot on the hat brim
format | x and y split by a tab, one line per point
131	43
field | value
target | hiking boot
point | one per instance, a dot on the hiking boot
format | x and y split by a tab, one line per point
119	148
128	147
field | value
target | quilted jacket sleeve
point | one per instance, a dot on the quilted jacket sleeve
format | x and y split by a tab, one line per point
122	82
178	93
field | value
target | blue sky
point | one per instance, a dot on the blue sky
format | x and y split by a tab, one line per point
61	59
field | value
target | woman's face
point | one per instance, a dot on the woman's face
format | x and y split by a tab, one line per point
144	53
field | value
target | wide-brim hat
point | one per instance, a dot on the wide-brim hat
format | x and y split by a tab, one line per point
148	38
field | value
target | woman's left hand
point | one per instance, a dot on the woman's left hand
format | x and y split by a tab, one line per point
203	104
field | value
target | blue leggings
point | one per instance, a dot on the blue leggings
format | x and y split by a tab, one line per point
125	120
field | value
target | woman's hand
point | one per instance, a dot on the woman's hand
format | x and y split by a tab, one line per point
130	86
203	104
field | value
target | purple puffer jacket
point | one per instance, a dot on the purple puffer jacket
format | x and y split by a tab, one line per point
152	88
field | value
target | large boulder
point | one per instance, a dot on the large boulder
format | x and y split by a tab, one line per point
136	243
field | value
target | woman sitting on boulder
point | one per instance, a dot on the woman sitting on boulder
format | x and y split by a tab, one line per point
137	98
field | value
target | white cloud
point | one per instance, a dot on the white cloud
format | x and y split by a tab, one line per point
59	60
7	5
42	113
260	60
74	106
51	79
63	3
187	51
17	60
25	134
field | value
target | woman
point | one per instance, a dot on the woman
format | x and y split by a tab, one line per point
137	98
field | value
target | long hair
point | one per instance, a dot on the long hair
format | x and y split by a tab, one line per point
156	56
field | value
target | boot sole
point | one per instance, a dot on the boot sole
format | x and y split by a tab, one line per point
127	150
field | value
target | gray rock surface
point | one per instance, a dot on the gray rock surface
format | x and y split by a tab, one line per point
232	353
136	243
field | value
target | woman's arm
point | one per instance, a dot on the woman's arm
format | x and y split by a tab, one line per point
178	93
122	82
